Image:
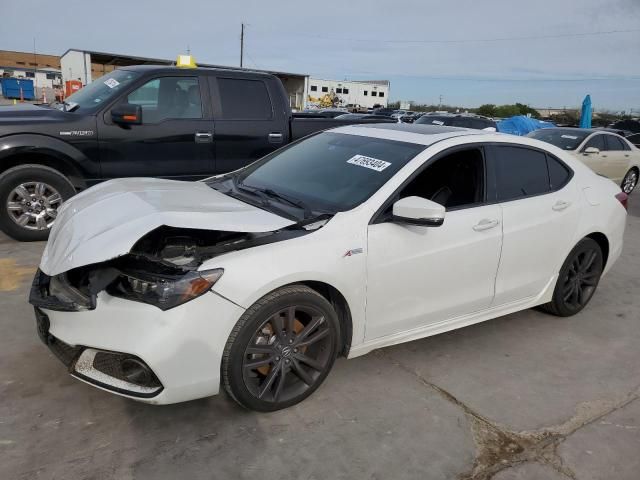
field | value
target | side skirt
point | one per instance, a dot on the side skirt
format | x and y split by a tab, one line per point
456	322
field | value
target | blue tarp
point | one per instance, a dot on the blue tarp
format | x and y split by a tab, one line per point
585	115
521	125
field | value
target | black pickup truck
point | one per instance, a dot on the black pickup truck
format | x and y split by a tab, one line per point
151	121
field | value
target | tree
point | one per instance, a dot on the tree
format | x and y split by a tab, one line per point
487	110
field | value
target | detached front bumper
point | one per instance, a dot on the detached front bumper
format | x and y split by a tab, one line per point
177	352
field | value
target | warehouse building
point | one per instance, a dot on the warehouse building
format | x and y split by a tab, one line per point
44	70
86	66
354	94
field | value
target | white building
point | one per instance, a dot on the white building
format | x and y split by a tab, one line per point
45	77
363	94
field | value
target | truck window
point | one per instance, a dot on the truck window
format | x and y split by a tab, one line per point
244	99
168	98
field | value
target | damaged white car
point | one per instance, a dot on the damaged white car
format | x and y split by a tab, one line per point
347	241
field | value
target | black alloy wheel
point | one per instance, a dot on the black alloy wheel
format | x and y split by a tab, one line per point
578	279
281	350
630	181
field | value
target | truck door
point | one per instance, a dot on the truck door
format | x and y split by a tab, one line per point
175	139
249	123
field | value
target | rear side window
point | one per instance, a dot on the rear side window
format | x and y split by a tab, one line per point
244	99
558	174
520	172
616	143
597	141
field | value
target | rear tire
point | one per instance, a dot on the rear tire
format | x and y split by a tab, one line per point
630	181
281	349
578	279
30	196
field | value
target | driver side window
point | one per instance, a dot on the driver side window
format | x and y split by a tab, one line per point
596	141
168	98
455	181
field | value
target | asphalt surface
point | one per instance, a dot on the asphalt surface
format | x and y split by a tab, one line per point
526	396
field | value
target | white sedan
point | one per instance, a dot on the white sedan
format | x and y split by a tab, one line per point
606	153
347	241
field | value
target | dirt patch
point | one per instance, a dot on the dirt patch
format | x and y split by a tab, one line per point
12	275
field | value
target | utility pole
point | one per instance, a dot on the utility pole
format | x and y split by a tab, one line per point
35	66
440	104
241	44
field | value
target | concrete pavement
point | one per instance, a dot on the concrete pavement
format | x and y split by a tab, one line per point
526	396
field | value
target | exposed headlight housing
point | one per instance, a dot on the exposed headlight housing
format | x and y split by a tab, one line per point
162	291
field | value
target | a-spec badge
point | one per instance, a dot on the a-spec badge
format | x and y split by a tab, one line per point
76	133
352	252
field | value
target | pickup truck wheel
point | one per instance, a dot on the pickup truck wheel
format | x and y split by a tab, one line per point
30	196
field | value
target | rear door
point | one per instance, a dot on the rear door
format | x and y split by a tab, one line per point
540	211
174	139
249	122
619	157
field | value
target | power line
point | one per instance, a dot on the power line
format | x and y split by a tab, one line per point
470	40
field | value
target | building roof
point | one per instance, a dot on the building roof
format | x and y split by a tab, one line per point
122	60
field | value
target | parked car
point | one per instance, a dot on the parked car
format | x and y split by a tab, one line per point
383	111
459	120
151	121
366	117
605	153
347	241
634	138
324	112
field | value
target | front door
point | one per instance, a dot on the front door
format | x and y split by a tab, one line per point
175	139
419	276
602	162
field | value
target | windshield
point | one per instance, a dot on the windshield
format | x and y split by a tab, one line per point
329	172
100	90
564	138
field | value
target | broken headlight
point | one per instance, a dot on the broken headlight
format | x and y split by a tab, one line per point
164	292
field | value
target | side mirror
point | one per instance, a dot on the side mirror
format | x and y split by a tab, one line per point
127	114
591	151
418	211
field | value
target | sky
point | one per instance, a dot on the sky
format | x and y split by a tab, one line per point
545	53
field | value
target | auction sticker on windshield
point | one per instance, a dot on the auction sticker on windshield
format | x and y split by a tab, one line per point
368	162
570	137
111	83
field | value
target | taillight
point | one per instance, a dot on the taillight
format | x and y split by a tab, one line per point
623	198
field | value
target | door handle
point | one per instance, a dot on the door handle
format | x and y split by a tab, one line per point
204	137
561	205
276	138
485	224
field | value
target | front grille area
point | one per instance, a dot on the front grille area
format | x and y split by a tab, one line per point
65	353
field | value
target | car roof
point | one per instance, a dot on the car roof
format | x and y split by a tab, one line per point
420	134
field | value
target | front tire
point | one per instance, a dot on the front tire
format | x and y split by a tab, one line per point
30	196
281	349
630	181
578	279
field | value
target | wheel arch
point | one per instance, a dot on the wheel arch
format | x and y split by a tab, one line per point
330	293
341	306
603	242
42	150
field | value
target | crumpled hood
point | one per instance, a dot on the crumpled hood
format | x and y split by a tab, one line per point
105	221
